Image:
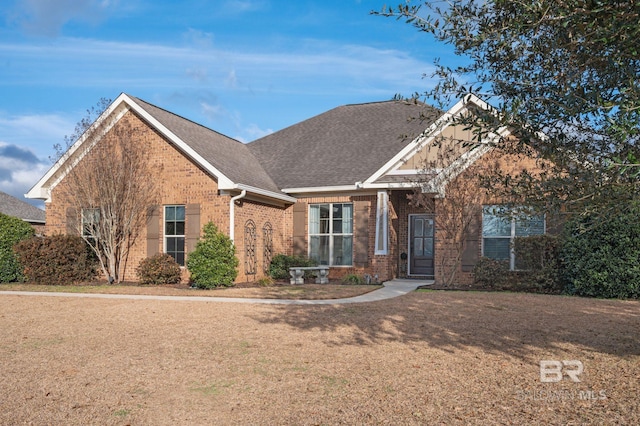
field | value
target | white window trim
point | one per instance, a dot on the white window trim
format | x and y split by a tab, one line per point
331	234
382	223
512	253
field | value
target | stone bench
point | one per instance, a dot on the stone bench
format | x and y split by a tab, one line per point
297	274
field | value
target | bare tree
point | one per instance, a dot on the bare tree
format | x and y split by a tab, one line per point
110	185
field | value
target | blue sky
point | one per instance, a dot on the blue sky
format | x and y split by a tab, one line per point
244	68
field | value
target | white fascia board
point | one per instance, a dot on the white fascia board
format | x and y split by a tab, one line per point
382	185
43	191
265	193
423	139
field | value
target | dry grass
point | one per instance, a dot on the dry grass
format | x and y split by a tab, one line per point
424	358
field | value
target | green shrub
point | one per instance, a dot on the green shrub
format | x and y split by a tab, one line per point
57	260
491	273
600	257
213	263
353	279
280	264
538	263
160	268
266	282
12	231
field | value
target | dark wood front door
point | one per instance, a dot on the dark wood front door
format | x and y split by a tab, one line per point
421	233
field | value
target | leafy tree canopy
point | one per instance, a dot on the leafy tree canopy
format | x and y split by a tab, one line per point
564	74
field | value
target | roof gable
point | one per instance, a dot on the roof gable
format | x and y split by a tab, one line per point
227	159
342	146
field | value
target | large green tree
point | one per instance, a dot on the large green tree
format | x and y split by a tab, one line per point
563	74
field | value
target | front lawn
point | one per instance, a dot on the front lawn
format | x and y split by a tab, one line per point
424	358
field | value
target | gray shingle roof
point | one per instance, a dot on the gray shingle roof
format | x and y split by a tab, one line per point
13	206
229	156
342	146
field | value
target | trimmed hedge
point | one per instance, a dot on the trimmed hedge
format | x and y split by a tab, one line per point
601	256
280	264
537	263
160	268
12	231
57	260
213	263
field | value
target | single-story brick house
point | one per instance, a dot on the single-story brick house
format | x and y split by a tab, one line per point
333	187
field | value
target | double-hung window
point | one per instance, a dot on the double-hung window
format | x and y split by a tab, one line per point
331	233
174	232
499	228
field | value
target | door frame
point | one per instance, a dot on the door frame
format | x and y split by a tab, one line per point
431	216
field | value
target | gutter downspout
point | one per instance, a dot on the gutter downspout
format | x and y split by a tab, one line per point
232	210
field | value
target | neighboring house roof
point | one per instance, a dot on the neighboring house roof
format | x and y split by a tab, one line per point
343	146
13	206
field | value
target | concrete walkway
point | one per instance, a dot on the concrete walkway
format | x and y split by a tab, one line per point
391	289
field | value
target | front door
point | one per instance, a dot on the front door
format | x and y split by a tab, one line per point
421	233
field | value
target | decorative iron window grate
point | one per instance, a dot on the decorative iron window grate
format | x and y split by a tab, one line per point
267	244
250	247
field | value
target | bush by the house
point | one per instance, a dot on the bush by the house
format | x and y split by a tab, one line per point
600	257
280	264
353	279
490	273
160	268
12	231
213	263
56	260
538	263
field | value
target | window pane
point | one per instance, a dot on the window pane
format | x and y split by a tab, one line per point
319	249
179	212
417	247
495	226
419	228
497	248
179	228
533	225
170	213
314	219
428	231
170	228
342	249
347	218
428	246
324	211
179	258
180	244
171	244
